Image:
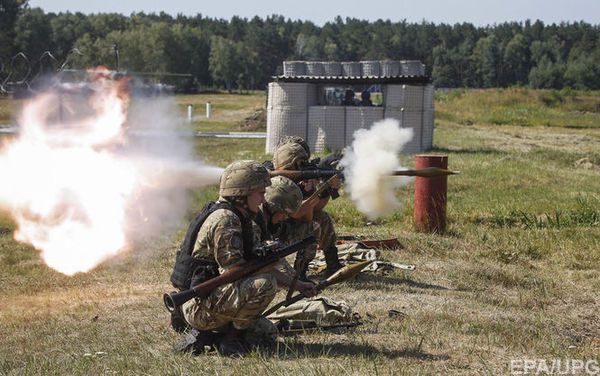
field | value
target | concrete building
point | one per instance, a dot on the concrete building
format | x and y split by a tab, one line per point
325	102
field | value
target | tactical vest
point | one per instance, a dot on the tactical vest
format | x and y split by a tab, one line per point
190	271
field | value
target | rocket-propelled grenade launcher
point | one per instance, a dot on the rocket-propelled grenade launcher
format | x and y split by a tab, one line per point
298	175
344	274
202	290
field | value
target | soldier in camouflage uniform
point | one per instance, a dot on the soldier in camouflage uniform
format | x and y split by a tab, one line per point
283	198
293	154
296	140
234	308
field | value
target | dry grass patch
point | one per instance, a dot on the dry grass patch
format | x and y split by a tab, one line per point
506	282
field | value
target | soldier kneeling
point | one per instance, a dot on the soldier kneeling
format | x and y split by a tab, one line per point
224	235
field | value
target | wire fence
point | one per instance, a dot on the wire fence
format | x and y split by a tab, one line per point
23	73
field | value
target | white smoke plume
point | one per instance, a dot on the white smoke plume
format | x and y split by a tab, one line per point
162	152
373	155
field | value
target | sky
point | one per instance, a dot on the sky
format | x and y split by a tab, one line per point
478	12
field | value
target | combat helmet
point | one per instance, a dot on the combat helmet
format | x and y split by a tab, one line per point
240	178
289	156
283	195
296	140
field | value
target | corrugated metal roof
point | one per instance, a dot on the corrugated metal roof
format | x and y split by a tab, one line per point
401	79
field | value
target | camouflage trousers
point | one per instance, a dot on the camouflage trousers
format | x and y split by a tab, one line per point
298	230
321	226
326	234
240	303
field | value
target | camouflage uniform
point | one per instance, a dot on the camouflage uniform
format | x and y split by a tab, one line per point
221	239
291	231
284	196
326	232
296	140
241	302
322	227
292	155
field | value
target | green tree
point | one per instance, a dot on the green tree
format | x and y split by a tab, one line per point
549	68
401	42
457	55
33	33
355	38
330	50
444	72
549	49
516	60
486	57
547	74
224	61
380	35
104	23
66	29
268	39
583	71
87	56
308	47
236	30
248	61
9	12
190	52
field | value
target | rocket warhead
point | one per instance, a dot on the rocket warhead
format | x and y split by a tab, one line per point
428	172
346	273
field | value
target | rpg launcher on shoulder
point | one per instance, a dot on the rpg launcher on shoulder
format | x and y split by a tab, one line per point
174	300
316	168
298	175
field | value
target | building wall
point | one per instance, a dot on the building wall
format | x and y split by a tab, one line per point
292	107
292	110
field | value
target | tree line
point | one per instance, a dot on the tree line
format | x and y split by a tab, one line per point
245	53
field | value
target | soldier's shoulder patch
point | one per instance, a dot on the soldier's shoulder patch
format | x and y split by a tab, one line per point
236	241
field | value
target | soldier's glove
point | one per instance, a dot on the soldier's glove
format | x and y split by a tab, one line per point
308	289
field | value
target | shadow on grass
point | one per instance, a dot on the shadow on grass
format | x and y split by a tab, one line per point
294	348
338	349
366	282
466	151
583	126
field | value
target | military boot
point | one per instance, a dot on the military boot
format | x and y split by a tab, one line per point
195	341
332	260
261	334
232	343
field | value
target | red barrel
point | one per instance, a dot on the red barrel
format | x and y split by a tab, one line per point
430	195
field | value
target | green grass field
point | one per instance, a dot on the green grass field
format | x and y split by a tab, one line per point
516	276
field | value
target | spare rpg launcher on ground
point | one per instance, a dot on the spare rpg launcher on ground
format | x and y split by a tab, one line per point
176	299
344	274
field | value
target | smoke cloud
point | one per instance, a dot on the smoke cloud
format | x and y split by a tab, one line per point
161	149
373	155
93	172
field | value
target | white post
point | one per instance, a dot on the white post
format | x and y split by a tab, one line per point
190	112
208	110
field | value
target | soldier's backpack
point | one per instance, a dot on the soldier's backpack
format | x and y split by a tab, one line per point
189	271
